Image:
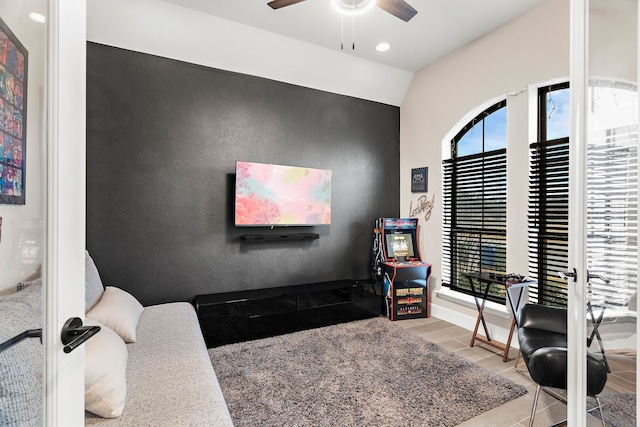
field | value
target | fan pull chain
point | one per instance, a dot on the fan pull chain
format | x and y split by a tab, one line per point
353	32
342	32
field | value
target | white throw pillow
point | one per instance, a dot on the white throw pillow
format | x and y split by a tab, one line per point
105	385
120	311
93	287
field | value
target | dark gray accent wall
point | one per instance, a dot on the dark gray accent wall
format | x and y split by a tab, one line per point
163	137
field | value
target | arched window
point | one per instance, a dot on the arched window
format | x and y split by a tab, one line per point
475	200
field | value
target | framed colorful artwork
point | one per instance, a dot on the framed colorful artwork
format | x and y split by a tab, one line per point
13	117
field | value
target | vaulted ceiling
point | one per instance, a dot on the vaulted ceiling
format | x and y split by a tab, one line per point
438	28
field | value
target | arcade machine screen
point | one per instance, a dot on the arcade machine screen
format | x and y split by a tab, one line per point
399	245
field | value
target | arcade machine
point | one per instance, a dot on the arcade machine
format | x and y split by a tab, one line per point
397	265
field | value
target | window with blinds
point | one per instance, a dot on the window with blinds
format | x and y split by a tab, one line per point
548	214
612	199
612	194
549	220
475	192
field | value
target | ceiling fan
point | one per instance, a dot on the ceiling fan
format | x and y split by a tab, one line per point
398	8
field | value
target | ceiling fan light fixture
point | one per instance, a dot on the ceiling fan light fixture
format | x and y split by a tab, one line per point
353	7
37	17
383	47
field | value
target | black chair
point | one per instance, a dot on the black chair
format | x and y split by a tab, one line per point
542	333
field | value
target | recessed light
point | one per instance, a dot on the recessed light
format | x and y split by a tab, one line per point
383	47
37	17
352	7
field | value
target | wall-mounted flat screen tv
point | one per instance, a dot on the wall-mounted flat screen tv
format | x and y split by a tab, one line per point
275	195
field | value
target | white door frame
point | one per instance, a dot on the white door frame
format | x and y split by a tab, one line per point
65	210
577	329
577	352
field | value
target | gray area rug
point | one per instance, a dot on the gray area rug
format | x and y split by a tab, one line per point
619	409
364	373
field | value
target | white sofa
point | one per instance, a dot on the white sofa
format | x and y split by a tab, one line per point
21	365
170	379
167	374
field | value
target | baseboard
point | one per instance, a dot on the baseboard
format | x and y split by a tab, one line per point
498	333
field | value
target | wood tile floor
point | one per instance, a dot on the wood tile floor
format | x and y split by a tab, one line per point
516	412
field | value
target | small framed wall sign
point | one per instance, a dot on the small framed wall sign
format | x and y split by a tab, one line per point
419	180
13	116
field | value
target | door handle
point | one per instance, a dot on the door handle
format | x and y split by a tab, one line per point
564	275
74	334
31	333
598	276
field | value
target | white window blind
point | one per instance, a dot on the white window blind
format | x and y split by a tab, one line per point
612	194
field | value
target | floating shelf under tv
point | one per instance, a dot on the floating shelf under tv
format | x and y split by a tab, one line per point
256	238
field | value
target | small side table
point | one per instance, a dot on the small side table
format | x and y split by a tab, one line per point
595	322
481	298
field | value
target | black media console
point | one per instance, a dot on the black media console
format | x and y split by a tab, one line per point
246	315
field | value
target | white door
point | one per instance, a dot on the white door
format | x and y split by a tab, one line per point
45	235
65	210
603	225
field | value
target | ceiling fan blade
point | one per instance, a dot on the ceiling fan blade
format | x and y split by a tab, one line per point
277	4
398	8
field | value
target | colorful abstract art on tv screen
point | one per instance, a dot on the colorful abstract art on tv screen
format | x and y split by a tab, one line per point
275	195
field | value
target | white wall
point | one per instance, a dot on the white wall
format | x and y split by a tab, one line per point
511	61
22	240
164	29
532	48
